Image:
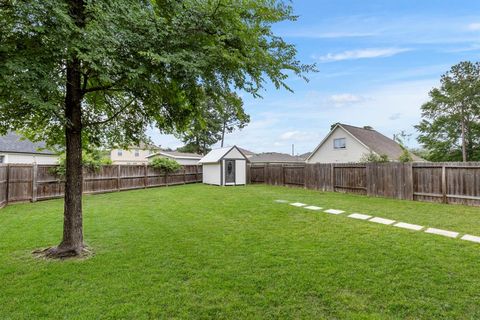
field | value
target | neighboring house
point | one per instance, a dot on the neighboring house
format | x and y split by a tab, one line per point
16	149
182	158
347	143
275	157
246	152
132	155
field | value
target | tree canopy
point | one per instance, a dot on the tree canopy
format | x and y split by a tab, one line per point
218	119
450	128
81	73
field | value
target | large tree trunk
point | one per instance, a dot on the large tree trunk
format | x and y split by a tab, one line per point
72	224
72	242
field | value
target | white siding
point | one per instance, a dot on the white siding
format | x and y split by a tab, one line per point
128	156
240	171
29	158
211	173
353	152
182	161
234	154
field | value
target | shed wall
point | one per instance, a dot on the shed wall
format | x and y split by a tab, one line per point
240	171
211	173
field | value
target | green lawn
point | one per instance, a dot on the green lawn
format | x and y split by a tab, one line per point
199	251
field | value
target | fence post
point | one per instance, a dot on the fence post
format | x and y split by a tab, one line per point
283	174
7	188
34	182
332	176
166	179
119	170
444	184
304	176
145	175
184	175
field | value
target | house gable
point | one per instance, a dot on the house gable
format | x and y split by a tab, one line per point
326	152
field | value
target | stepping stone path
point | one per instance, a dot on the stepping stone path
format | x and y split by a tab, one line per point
334	211
469	237
403	225
450	234
298	204
313	208
359	216
382	220
409	226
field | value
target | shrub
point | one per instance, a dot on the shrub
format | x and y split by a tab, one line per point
165	164
374	158
92	160
405	156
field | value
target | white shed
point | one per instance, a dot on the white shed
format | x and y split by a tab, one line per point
225	167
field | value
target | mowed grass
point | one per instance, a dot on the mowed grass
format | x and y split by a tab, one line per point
205	252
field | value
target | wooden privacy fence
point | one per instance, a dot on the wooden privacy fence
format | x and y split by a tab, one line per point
449	182
26	182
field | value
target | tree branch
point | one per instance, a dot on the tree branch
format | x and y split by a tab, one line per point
116	114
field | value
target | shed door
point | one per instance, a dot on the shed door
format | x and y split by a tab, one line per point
229	171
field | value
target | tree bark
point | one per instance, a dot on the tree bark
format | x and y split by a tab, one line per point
72	242
223	132
72	224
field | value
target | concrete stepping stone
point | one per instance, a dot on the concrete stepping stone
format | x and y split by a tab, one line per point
445	233
471	238
334	211
312	208
298	204
408	226
359	216
382	221
281	201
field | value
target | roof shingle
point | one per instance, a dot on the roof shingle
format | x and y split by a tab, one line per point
12	142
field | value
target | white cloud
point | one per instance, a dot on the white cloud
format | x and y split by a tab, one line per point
295	136
345	98
313	34
474	26
361	54
395	116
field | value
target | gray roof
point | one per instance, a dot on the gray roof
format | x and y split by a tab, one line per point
275	157
305	155
176	154
377	142
246	152
14	143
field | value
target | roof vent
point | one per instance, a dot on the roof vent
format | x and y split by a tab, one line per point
368	127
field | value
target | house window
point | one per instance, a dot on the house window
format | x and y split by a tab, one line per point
119	153
137	153
2	159
339	143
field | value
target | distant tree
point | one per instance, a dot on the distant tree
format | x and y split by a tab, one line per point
219	117
400	138
450	128
79	72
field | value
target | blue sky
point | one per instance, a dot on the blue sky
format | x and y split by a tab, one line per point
377	60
